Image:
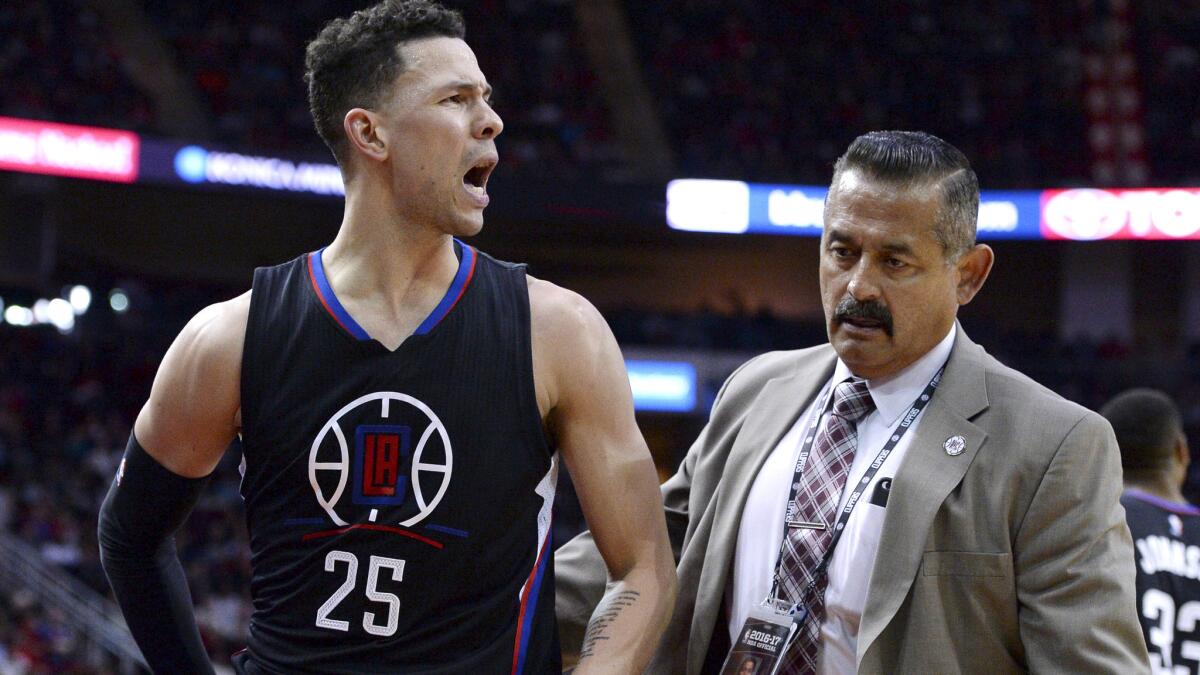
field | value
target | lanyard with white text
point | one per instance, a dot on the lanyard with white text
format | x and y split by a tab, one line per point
789	519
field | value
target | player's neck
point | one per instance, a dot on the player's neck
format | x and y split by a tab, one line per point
1160	487
374	252
382	250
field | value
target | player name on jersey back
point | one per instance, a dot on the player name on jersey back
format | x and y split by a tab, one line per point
1159	553
1166	539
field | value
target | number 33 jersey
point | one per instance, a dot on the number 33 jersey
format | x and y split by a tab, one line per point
1166	539
398	502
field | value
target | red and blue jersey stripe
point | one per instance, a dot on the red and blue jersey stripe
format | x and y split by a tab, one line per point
531	591
329	300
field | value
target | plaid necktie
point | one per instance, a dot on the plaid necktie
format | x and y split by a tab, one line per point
817	497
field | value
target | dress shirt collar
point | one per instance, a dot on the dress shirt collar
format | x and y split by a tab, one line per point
894	395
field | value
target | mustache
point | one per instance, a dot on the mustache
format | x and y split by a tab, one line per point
849	308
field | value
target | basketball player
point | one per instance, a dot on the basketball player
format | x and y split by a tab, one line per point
399	397
1165	528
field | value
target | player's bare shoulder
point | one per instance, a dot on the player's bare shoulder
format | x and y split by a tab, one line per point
570	338
194	407
562	315
215	335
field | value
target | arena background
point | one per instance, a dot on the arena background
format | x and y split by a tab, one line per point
199	162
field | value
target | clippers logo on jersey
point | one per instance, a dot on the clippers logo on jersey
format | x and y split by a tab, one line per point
383	463
378	453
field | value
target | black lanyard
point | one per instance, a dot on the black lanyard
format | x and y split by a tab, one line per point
806	449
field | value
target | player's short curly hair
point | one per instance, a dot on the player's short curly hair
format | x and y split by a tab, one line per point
353	60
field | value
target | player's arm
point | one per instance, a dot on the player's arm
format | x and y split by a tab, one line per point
1074	562
583	385
579	573
178	438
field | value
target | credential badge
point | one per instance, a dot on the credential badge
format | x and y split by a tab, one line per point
955	445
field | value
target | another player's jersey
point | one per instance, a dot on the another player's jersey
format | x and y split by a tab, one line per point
1166	538
398	502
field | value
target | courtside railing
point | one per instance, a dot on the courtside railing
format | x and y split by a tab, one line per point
97	619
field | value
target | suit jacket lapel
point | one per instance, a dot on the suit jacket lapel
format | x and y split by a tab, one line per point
925	478
771	415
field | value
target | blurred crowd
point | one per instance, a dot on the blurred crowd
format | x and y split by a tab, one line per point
767	91
59	63
246	62
1167	43
66	407
35	640
775	90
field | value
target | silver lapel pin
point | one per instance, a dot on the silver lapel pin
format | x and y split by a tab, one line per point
955	445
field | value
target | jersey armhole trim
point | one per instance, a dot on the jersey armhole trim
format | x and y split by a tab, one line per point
529	601
248	375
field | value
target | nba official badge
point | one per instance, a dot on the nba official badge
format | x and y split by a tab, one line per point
955	445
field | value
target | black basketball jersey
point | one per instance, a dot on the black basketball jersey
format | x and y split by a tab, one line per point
1166	539
399	502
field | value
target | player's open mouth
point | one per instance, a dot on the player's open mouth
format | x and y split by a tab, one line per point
476	178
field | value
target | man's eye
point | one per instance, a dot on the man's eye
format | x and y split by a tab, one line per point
457	98
896	263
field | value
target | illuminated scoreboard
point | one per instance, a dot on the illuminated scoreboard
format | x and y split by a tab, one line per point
53	149
1083	214
693	205
93	153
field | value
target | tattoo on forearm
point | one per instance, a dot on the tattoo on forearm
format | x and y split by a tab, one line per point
605	615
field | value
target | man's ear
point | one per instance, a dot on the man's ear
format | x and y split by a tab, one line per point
973	269
364	134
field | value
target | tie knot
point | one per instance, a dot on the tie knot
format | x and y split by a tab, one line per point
852	400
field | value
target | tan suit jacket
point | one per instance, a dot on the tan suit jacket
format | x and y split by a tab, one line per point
1013	556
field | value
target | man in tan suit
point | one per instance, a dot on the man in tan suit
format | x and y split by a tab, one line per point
989	539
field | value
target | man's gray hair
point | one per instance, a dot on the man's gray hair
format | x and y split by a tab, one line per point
914	158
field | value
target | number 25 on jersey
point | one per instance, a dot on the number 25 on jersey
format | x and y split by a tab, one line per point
369	623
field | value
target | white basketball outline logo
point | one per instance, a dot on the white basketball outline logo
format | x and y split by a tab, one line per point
343	466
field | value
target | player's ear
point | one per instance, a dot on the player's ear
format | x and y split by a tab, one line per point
364	134
1182	454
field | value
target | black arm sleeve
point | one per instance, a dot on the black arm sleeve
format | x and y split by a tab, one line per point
145	505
